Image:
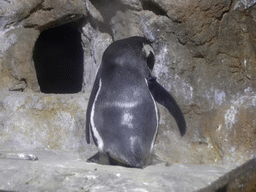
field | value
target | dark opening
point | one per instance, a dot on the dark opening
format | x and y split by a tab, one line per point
58	58
154	7
151	61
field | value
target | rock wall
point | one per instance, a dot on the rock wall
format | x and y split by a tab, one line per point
205	56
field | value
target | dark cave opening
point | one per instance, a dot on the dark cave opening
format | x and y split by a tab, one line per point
58	58
154	7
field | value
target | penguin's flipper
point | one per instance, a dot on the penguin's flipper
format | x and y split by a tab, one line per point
90	104
162	96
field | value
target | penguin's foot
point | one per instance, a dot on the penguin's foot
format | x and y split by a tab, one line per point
98	158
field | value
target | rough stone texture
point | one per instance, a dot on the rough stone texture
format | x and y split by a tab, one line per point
68	171
42	121
205	56
207	62
240	179
94	44
21	23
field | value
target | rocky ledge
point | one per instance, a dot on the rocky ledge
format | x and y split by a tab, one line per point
69	171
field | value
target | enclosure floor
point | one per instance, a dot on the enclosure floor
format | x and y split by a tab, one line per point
69	171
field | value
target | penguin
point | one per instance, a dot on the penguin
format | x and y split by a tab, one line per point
122	114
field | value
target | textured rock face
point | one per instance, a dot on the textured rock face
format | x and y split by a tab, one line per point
39	121
21	24
68	171
205	56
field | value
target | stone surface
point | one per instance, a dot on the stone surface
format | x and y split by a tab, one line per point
241	178
21	21
68	171
205	57
94	43
42	121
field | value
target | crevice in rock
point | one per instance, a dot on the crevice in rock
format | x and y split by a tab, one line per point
223	13
34	10
58	58
154	7
40	7
151	61
226	11
72	19
19	86
102	27
108	10
31	26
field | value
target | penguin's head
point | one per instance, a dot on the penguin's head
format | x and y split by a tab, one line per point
133	50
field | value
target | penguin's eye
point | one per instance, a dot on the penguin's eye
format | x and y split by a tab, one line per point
151	60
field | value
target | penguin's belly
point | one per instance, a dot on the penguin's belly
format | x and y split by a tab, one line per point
120	120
